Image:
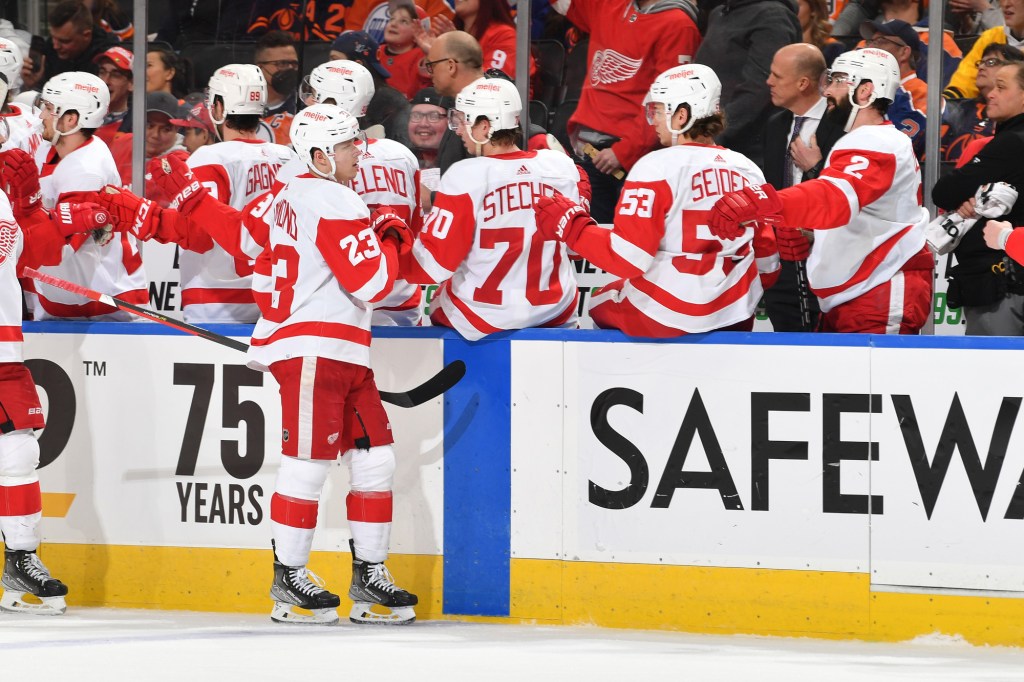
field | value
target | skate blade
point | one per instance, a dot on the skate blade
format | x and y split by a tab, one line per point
292	615
15	602
363	615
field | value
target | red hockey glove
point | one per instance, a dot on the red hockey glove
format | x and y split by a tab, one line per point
559	218
735	208
73	218
19	178
171	178
129	212
387	224
793	245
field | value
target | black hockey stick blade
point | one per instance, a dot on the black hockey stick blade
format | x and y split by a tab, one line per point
449	375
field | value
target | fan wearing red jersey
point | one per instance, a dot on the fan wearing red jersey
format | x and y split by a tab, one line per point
481	240
677	278
38	241
868	266
389	174
316	281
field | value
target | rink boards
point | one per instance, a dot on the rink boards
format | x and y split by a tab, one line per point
812	485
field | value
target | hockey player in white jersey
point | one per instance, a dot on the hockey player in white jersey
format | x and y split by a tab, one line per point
677	277
389	174
480	239
73	105
216	287
23	122
869	266
37	241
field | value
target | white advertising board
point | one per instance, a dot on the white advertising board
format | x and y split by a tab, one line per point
173	442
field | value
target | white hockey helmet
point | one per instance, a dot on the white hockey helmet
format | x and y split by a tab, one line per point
322	126
11	60
348	83
81	92
242	88
495	99
694	85
869	64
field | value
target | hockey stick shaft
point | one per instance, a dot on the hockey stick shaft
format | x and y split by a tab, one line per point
803	294
146	313
449	375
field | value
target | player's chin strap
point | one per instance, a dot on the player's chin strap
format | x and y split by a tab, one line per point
478	143
855	108
325	176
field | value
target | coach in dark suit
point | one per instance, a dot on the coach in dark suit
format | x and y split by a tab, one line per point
797	141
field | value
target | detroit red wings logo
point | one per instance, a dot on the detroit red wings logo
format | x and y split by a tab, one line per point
610	66
8	240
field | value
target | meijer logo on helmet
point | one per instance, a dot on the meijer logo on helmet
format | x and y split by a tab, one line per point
87	88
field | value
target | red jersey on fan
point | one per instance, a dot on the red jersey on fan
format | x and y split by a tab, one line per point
628	49
405	70
498	44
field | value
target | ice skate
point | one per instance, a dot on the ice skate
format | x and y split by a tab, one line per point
372	584
25	574
296	588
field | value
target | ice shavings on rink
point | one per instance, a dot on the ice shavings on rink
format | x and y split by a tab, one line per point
113	644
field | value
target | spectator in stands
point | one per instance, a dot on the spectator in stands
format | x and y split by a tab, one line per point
490	22
279	60
455	60
813	17
389	108
162	136
115	69
741	38
166	71
400	54
74	44
962	17
108	15
899	39
966	120
988	288
797	140
629	46
371	16
962	84
428	121
197	127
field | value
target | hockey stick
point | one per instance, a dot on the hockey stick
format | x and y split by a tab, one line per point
134	309
803	294
449	375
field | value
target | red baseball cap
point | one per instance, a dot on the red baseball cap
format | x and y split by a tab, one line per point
198	117
120	56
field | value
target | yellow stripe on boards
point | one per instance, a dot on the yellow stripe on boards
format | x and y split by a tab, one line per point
208	579
56	505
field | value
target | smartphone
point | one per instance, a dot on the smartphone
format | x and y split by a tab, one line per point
35	52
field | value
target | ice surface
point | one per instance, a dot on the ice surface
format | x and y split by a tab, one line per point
115	644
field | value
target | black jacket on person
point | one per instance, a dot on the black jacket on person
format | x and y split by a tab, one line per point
1001	160
776	137
101	42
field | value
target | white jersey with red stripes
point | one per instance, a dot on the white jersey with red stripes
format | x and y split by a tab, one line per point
316	281
690	279
216	287
870	193
389	175
11	246
481	240
114	268
25	128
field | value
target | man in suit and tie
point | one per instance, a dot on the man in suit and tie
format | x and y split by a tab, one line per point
797	141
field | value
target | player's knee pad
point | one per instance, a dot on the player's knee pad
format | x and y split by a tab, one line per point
19	454
373	469
302	478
